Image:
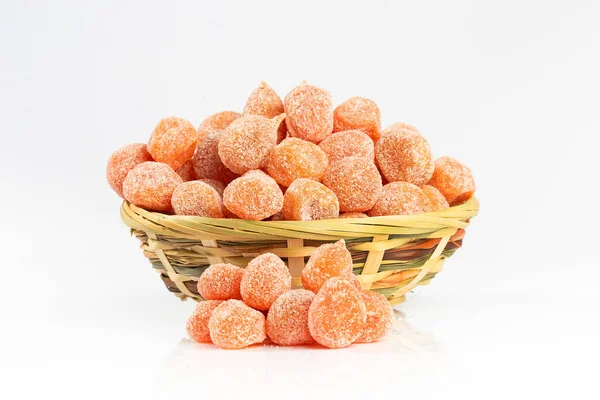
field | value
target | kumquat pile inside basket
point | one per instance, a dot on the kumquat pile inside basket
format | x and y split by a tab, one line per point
292	220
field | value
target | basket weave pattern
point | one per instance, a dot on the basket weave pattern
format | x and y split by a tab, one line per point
391	254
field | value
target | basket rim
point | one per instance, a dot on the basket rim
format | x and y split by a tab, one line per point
463	211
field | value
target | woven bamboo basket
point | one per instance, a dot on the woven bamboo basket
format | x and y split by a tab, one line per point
391	254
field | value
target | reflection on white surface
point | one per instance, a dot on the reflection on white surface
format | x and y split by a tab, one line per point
403	353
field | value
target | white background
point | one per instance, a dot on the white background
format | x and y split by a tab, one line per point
510	88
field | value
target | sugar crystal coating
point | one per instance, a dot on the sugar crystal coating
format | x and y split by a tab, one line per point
207	163
150	185
355	181
337	315
309	113
173	142
353	215
255	196
287	321
437	201
198	199
379	316
308	200
453	179
197	324
404	155
296	158
400	198
215	123
353	280
264	101
122	161
221	282
352	143
245	143
402	126
217	185
265	279
234	325
358	113
327	261
186	171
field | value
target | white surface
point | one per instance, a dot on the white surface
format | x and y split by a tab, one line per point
509	88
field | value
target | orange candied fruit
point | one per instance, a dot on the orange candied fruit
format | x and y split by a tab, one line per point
264	101
400	198
309	113
353	215
207	163
150	185
265	279
327	261
355	181
337	315
358	113
186	171
221	282
197	324
379	317
234	325
245	143
198	199
254	195
352	143
437	201
215	123
173	142
404	155
296	158
122	161
453	179
308	200
287	320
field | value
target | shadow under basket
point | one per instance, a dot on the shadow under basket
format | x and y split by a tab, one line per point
391	254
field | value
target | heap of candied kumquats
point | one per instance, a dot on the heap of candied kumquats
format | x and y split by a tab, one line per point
298	159
333	311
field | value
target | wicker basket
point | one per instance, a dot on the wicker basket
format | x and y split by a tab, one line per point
391	254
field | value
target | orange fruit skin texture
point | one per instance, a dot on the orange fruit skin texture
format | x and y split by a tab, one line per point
404	155
122	161
296	158
215	123
337	315
264	101
150	185
186	171
197	324
309	113
207	163
173	142
358	113
308	200
287	320
327	261
352	143
437	201
353	215
453	179
265	279
245	143
234	325
403	126
255	196
356	183
221	282
218	186
353	281
379	317
400	198
198	199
